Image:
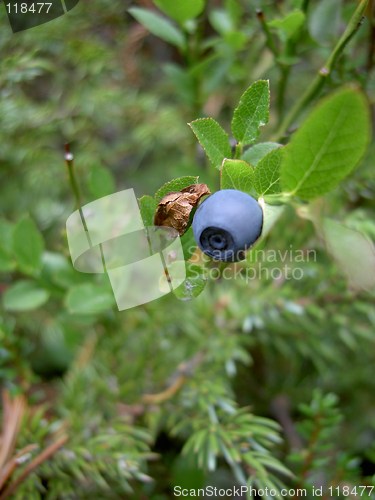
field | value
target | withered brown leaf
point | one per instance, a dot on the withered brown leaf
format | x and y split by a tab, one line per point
174	208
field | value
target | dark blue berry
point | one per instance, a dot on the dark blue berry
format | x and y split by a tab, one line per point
226	224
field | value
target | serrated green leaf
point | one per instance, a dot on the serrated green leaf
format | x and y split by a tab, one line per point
237	174
352	251
175	185
89	299
181	11
194	283
101	182
328	145
267	173
24	296
28	246
213	139
289	25
254	154
159	26
147	206
252	112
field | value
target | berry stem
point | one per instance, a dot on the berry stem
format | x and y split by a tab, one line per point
69	159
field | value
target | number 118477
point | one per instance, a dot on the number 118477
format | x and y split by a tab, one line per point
24	8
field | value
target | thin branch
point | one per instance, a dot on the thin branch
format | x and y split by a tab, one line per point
316	85
184	370
269	39
8	469
13	412
42	457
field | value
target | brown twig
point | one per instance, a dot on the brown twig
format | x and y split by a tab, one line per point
42	457
13	411
10	466
280	406
184	370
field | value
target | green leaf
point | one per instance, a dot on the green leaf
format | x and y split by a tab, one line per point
267	173
159	26
254	154
236	40
147	206
101	182
181	11
353	252
89	299
213	139
252	112
57	270
24	296
289	25
237	174
221	21
28	246
7	262
183	81
194	283
328	145
175	185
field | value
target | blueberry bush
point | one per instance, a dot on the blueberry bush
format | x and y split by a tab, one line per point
256	371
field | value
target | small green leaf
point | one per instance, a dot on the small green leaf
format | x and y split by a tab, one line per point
7	262
327	147
237	174
194	283
24	296
28	246
289	25
221	21
89	299
57	270
175	185
147	206
252	112
267	173
181	11
101	182
159	26
353	252
236	40
183	81
254	154
213	139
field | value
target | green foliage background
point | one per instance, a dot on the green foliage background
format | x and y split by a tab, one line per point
270	381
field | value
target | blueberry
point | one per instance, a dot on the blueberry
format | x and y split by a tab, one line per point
226	224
